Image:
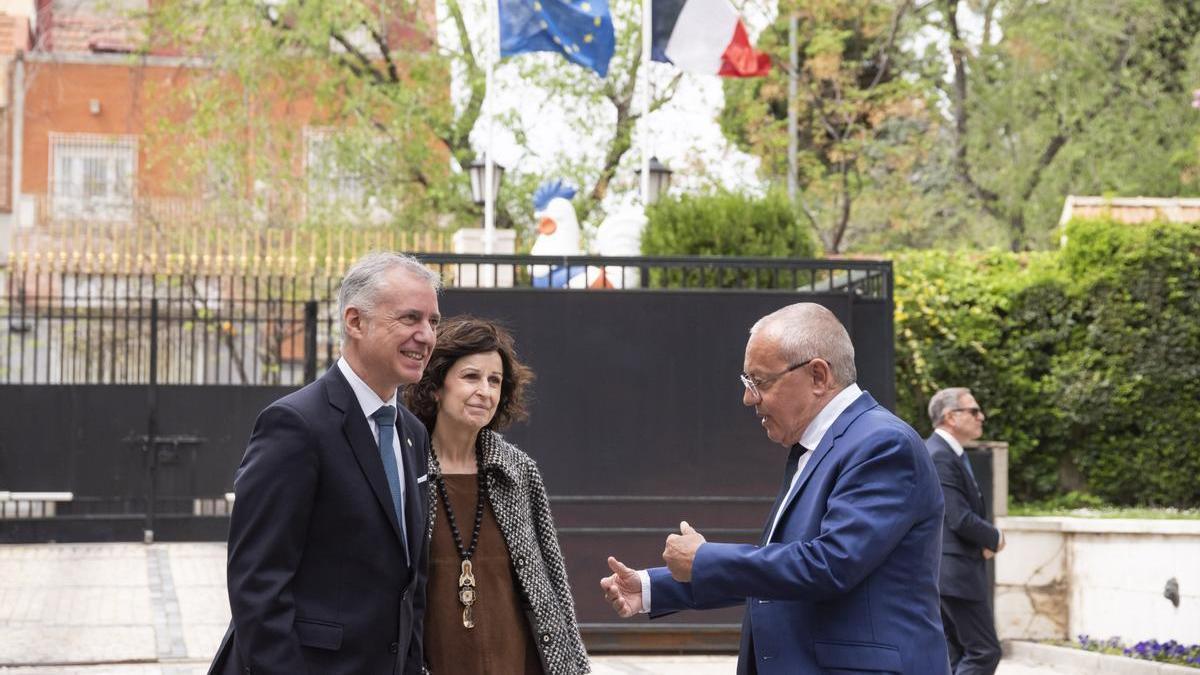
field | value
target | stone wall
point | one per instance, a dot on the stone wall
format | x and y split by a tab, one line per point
1058	578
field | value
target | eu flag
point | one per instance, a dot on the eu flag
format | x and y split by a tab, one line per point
580	30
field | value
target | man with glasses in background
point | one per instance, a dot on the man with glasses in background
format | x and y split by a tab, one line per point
844	577
968	539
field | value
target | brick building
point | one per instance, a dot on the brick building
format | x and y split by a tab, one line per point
78	103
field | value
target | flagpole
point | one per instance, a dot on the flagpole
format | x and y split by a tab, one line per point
489	171
647	42
793	174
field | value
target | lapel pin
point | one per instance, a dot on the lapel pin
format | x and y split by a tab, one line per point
409	441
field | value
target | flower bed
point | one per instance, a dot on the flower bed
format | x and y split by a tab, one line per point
1148	650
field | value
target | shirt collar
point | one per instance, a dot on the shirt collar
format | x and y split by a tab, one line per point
950	440
368	400
816	430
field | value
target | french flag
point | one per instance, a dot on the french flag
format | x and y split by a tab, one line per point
705	37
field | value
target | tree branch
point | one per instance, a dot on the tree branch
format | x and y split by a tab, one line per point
668	93
384	51
621	96
987	198
886	54
1060	139
458	140
363	62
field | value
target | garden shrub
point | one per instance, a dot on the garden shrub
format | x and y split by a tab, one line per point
1087	360
726	224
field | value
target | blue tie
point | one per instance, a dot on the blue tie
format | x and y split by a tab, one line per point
970	471
385	417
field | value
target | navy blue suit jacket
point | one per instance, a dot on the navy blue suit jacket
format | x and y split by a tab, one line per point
967	531
849	582
319	580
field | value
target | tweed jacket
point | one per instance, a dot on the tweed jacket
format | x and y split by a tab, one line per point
518	499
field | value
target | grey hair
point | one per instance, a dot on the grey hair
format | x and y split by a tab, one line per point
363	280
806	331
943	402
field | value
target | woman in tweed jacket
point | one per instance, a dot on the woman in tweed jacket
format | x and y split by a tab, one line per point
498	600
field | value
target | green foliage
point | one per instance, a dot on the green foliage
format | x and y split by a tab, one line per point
1076	504
1057	96
724	224
1087	360
856	112
965	123
1066	504
727	223
313	112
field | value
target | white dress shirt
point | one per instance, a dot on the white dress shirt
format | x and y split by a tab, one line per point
813	434
369	402
950	440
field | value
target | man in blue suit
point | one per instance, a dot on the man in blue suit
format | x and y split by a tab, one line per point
968	539
844	579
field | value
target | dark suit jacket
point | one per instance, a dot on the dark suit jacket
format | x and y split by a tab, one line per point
849	582
967	531
319	581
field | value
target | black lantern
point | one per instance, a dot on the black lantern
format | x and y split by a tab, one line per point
477	171
660	180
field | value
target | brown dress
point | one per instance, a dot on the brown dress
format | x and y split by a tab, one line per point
501	642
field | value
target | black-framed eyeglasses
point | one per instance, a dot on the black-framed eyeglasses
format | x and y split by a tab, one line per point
973	411
756	385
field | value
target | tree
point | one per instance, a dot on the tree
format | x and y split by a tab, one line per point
376	80
989	113
350	93
1058	97
861	122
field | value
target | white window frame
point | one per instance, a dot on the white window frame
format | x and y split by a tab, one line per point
92	176
328	184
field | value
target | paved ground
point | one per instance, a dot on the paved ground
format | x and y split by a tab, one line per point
604	665
104	609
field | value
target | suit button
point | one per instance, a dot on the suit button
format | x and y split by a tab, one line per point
394	648
545	638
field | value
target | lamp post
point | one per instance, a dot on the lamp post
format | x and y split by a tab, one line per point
660	180
477	170
480	170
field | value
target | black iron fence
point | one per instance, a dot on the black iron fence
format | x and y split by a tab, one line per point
64	327
864	278
118	428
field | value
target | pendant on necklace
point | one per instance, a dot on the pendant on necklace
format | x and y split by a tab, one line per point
466	593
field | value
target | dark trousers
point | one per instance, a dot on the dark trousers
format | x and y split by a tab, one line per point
971	636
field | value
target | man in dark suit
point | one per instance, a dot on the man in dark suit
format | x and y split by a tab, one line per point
327	551
844	578
968	539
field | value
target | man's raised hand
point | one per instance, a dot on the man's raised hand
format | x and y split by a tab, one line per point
622	589
681	551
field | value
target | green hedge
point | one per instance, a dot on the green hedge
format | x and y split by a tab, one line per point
727	223
1087	359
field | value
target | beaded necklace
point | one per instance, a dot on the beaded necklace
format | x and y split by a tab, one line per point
466	580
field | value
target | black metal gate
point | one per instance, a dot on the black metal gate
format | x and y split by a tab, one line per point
636	421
